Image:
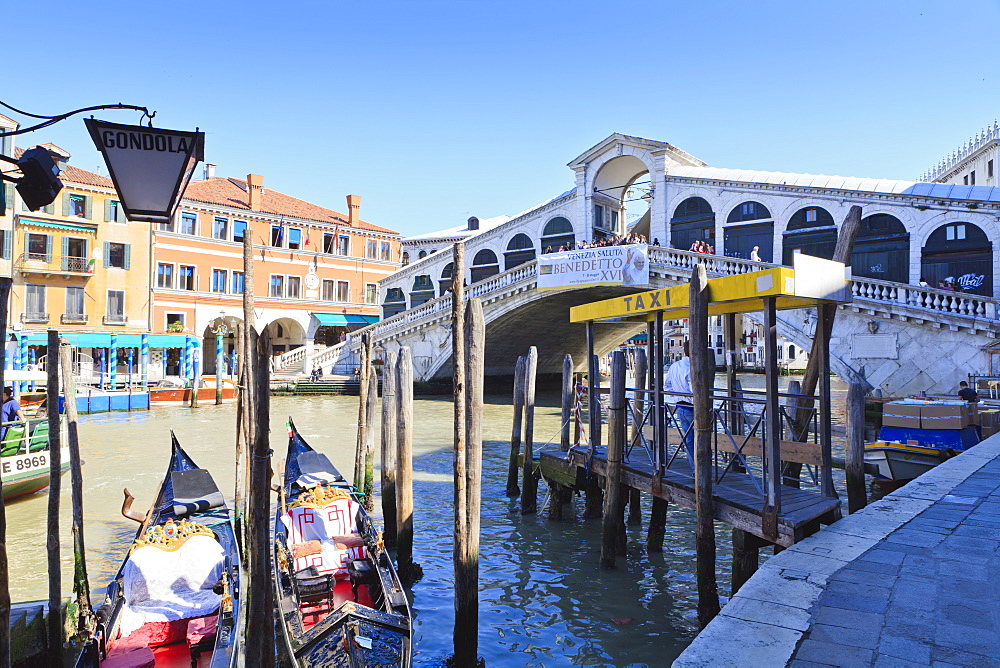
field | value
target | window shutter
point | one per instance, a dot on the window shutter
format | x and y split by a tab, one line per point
66	210
107	209
49	209
88	207
65	253
8	190
121	214
48	248
128	255
27	236
107	254
6	244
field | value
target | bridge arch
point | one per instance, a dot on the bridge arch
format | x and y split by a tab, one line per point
520	249
693	220
959	252
558	232
484	265
612	181
810	230
749	224
882	249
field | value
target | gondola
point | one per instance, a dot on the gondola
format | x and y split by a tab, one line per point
339	600
174	599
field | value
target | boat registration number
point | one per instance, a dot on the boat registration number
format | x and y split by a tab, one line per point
24	463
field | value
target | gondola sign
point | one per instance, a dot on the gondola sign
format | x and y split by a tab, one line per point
150	167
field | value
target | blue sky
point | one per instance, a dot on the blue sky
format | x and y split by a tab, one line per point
435	111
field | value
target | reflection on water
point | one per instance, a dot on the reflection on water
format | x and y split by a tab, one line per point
544	601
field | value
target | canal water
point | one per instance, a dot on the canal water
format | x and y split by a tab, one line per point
544	601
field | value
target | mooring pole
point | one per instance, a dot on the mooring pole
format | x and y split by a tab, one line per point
389	412
857	495
459	451
568	397
529	483
409	572
515	436
746	557
702	377
772	424
55	621
359	450
371	412
80	584
825	312
5	283
612	477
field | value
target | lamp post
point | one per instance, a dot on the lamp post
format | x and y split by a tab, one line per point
221	330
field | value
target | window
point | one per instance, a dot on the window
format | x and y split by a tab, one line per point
371	293
329	291
238	282
954	232
598	215
116	255
113	211
77	206
371	249
189	222
40	247
421	255
185	275
74	301
219	280
220	228
294	287
343	291
294	238
164	275
239	230
175	322
328	244
386	251
5	239
165	227
34	301
614	219
811	215
989	169
277	235
965	180
405	259
344	245
277	286
791	352
972	178
116	305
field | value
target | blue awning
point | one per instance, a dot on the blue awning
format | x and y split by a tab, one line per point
344	320
94	340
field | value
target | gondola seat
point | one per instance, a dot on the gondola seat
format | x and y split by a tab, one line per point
132	657
201	634
333	526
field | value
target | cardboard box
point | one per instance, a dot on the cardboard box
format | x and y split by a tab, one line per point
901	415
934	416
989	422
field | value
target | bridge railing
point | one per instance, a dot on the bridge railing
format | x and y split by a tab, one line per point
932	299
714	264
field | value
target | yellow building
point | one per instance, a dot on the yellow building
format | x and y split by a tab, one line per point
77	265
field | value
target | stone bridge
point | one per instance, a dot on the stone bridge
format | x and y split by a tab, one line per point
901	339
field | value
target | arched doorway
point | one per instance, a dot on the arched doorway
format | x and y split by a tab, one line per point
620	180
422	290
811	231
749	224
882	249
444	285
286	334
959	253
484	265
519	250
395	302
557	233
693	220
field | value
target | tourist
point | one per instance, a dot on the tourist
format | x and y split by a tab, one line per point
923	283
679	380
754	255
656	241
10	410
695	247
967	393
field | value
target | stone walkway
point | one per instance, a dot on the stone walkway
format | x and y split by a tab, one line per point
912	580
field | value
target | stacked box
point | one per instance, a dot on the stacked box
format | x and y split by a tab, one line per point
929	415
899	414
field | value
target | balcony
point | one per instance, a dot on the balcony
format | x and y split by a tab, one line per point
34	317
73	318
114	320
41	263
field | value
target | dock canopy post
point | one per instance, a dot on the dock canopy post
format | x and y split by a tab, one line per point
772	424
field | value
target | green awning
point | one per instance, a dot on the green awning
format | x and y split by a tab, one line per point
59	226
344	320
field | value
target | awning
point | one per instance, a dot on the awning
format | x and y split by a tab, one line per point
59	226
104	340
344	320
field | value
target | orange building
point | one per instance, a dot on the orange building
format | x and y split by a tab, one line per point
316	271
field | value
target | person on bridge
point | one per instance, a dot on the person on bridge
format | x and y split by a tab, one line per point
967	393
678	380
754	255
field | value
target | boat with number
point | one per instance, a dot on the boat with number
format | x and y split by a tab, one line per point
174	600
339	600
178	393
24	457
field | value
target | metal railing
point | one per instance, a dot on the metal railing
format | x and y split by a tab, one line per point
73	318
34	317
115	320
43	262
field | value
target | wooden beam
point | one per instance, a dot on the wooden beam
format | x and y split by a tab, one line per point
529	483
516	427
857	494
388	450
55	621
616	448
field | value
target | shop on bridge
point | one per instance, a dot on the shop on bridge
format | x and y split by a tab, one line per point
693	221
811	231
750	224
882	249
961	254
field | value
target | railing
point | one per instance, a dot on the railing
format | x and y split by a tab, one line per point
73	318
42	262
34	317
931	299
115	320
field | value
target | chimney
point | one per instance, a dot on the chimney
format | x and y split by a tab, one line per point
209	171
255	187
353	209
473	223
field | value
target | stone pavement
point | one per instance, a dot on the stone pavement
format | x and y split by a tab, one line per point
912	580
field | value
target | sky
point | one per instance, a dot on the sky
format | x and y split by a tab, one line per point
435	111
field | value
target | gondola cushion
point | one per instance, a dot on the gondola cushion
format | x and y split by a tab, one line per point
133	657
335	527
194	492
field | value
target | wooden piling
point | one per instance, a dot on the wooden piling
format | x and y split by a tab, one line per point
369	461
792	406
746	557
359	450
55	621
409	572
5	283
556	501
702	378
388	451
593	507
616	447
515	436
857	494
245	419
657	525
260	601
242	465
568	397
634	507
81	586
466	635
529	483
459	450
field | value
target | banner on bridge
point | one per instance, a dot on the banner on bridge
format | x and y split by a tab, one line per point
607	265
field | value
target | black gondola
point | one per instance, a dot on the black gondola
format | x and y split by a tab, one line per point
174	600
339	600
